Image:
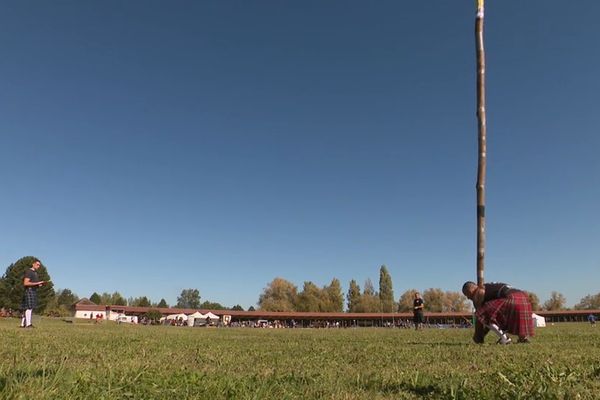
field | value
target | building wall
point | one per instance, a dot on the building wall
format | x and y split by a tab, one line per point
89	314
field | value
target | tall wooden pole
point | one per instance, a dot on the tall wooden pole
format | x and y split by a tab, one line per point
481	165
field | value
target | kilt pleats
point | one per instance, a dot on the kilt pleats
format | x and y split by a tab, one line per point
512	314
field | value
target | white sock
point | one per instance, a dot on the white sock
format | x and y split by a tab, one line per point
496	329
28	317
23	321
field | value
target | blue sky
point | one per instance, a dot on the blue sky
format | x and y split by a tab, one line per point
148	147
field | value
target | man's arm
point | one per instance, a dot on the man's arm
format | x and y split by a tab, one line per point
27	282
478	297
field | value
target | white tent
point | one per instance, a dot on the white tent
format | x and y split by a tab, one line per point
211	316
194	316
538	320
177	316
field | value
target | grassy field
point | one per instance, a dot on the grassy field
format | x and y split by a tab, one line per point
58	360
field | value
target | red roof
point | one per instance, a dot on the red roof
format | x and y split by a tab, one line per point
306	315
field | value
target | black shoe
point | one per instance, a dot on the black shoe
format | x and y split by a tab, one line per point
524	340
30	326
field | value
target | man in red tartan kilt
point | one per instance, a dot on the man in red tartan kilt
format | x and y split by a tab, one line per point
500	308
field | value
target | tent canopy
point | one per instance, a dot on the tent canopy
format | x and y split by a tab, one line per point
177	316
538	320
211	316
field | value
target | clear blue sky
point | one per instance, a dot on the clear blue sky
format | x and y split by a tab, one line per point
149	146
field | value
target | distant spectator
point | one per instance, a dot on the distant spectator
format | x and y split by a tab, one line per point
592	319
418	317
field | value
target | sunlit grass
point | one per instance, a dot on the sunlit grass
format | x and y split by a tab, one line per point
108	361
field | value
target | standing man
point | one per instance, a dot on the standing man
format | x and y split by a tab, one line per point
31	283
418	317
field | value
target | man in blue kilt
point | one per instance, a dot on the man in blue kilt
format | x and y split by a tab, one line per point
31	283
500	308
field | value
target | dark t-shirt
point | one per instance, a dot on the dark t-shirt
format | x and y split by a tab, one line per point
33	277
417	303
497	290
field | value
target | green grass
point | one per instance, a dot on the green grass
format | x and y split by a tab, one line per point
58	360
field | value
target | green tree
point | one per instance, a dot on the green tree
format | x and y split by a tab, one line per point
556	302
369	301
139	302
66	297
112	299
534	300
434	300
162	304
95	298
210	305
106	299
53	309
405	304
189	298
12	282
118	300
62	303
279	295
309	299
589	302
153	316
251	308
3	294
237	307
386	292
333	297
369	289
353	297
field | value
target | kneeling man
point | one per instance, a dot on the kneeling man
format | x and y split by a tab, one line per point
500	308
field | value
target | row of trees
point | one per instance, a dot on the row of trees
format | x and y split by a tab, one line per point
282	295
61	302
279	295
189	298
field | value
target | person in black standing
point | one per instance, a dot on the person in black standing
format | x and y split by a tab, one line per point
418	317
31	283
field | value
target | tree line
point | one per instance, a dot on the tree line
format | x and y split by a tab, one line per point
283	295
279	295
61	302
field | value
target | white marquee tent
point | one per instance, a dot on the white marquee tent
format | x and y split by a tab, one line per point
177	316
194	316
538	320
211	316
